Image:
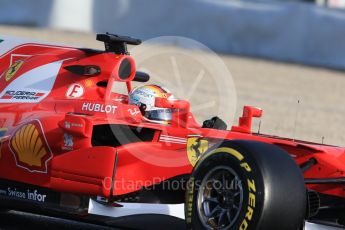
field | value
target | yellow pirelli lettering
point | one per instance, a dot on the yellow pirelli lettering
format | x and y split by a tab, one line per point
244	225
246	166
252	199
189	211
190	200
251	205
249	213
251	185
231	151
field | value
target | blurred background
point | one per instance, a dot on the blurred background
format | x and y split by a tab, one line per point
286	57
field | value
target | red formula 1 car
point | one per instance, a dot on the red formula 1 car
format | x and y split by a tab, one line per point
72	147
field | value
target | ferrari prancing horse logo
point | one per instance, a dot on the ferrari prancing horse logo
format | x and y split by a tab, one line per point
196	146
13	70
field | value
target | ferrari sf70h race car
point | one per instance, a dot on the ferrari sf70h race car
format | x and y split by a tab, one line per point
73	147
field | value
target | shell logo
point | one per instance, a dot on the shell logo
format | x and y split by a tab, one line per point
30	148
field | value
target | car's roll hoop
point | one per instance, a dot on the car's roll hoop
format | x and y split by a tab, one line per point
125	71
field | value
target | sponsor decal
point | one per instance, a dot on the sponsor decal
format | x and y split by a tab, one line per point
67	141
35	194
96	107
13	70
196	147
134	111
75	91
39	80
172	139
30	148
69	125
32	195
22	95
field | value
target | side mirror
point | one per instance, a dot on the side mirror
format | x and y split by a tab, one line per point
141	77
245	122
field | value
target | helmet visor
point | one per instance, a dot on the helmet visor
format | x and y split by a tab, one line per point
159	114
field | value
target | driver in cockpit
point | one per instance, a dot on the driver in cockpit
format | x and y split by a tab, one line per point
145	97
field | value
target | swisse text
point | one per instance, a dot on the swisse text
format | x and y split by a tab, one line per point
29	195
96	107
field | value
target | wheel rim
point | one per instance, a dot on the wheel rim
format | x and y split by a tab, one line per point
220	198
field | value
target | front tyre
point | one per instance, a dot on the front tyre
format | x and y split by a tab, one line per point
246	185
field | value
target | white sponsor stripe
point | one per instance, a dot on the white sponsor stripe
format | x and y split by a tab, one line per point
167	140
173	141
128	209
173	138
164	135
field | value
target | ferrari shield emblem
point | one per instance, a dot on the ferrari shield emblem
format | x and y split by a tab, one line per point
13	70
196	146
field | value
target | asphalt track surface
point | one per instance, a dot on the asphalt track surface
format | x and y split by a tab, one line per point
19	221
275	87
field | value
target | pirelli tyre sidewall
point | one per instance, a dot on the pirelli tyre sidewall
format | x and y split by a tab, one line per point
274	194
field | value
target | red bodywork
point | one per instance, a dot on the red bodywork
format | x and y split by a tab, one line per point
46	135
